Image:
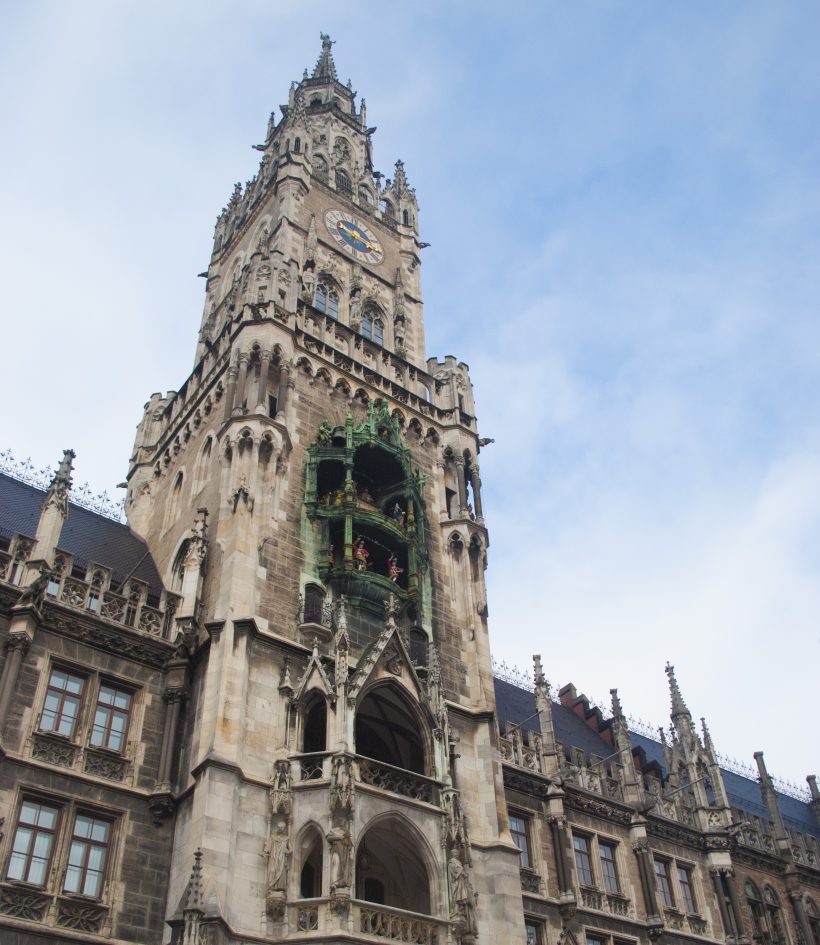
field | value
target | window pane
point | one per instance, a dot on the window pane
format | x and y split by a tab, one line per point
583	864
687	894
664	886
608	868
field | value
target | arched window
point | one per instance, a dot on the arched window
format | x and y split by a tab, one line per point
319	165
774	914
202	463
390	868
178	568
372	325
310	856
297	145
405	217
314	732
327	299
343	182
388	730
365	196
387	209
813	915
172	505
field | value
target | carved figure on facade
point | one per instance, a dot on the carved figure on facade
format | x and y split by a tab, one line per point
280	792
342	788
34	594
279	853
360	554
462	900
341	855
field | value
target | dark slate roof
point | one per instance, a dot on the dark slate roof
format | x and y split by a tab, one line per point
515	704
86	534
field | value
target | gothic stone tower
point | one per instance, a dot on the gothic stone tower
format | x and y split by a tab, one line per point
312	493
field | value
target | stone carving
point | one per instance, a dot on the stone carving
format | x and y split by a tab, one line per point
22	904
342	784
33	595
54	751
104	765
279	853
462	900
280	794
84	917
341	849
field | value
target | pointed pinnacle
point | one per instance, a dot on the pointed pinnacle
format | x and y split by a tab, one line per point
194	898
678	705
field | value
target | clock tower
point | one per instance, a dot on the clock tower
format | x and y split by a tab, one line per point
330	764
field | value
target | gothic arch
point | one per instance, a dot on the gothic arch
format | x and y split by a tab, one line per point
173	500
390	727
313	722
304	365
203	460
393	851
308	856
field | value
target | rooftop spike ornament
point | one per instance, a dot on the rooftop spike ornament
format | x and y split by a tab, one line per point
325	67
678	705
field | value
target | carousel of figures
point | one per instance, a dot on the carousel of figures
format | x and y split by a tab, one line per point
397	514
393	569
360	554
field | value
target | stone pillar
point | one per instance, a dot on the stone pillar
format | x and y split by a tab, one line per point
17	646
560	845
173	699
230	393
476	481
462	486
728	875
262	387
647	875
728	926
282	393
239	393
796	898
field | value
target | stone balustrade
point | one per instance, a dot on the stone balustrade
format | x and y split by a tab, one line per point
399	925
398	780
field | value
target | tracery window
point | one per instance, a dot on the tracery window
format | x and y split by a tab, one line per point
327	299
373	326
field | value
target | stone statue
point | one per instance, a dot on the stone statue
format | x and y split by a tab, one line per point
33	595
341	848
279	858
462	896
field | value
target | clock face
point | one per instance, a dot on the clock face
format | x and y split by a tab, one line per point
354	236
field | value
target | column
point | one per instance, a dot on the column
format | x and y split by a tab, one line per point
728	876
239	393
559	843
16	648
282	393
474	478
720	892
230	393
462	486
262	387
173	699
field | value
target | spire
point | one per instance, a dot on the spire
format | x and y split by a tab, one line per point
617	709
769	797
678	705
325	66
399	179
193	894
54	510
707	736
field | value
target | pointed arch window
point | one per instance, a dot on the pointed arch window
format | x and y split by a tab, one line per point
327	299
343	182
314	730
172	506
373	326
387	209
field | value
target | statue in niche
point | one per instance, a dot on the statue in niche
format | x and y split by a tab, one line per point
360	554
342	792
279	853
341	848
393	569
462	897
308	281
355	307
280	796
325	432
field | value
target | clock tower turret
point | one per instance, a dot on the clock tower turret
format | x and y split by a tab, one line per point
312	493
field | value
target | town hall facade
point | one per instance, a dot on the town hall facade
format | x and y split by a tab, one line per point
265	710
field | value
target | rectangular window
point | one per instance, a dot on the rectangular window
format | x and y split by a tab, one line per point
664	883
62	706
87	856
33	843
533	930
687	891
518	829
609	871
583	861
111	718
595	939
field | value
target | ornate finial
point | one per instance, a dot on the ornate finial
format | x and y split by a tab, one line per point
707	736
400	179
341	614
285	682
193	897
61	484
325	67
617	710
678	705
391	609
662	736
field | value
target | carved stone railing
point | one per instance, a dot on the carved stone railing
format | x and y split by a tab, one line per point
514	751
54	749
397	780
399	925
80	914
617	904
312	765
592	898
674	919
306	917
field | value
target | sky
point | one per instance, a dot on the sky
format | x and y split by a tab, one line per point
623	204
